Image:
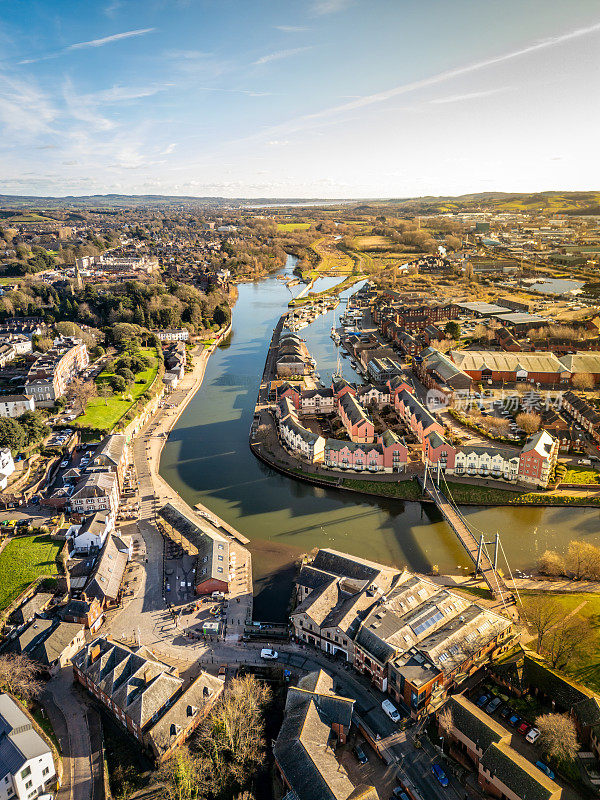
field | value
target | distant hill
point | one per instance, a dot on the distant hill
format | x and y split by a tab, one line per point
539	202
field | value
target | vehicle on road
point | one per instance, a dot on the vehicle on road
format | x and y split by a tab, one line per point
64	463
546	770
440	775
268	653
533	735
391	710
360	754
168	587
222	672
493	705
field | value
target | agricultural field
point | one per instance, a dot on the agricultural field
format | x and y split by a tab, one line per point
293	226
371	241
103	413
22	561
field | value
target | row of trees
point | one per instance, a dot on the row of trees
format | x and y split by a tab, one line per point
581	562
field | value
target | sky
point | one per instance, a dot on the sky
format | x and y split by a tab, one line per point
298	98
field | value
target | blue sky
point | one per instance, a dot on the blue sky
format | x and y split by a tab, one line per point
298	98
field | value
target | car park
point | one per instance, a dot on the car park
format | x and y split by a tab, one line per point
268	653
533	735
440	775
546	770
493	705
360	754
484	698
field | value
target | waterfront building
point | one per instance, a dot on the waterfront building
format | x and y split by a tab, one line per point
27	767
97	491
419	421
295	436
144	695
172	334
538	459
316	401
111	455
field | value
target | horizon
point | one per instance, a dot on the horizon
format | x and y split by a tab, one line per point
319	99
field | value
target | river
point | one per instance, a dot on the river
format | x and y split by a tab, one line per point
207	459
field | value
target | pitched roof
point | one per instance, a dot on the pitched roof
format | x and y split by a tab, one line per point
110	450
212	547
106	577
476	360
19	741
474	723
61	636
519	775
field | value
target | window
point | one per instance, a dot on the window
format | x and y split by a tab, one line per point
219	569
26	772
29	784
46	770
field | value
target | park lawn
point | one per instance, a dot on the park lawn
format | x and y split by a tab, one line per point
581	475
104	412
293	226
587	669
24	559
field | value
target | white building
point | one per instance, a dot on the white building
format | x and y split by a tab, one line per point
489	462
13	405
92	533
96	492
173	335
7	467
26	763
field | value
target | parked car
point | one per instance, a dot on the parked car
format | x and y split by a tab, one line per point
222	672
268	653
524	728
64	463
360	754
533	735
440	774
546	770
399	794
391	710
515	720
505	712
484	698
493	705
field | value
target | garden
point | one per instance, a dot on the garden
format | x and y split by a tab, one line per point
23	560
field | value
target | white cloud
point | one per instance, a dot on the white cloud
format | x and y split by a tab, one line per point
169	149
24	109
291	28
119	94
322	7
116	37
281	54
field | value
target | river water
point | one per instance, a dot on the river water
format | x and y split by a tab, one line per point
207	459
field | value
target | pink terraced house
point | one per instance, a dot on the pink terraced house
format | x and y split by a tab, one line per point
359	426
418	419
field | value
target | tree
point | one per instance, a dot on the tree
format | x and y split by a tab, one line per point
105	392
18	675
126	374
542	612
181	776
452	242
583	560
558	736
33	425
529	422
12	434
118	383
568	641
80	393
551	563
583	380
452	329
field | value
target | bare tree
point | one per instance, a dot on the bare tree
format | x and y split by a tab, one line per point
567	641
583	380
80	393
19	675
529	421
558	736
551	563
542	612
583	560
445	720
181	777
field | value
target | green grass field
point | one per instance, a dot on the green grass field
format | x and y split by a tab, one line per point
579	475
293	226
105	412
24	559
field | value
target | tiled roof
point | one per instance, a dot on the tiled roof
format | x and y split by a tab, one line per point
475	724
519	775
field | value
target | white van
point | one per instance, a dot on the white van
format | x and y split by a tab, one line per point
391	710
